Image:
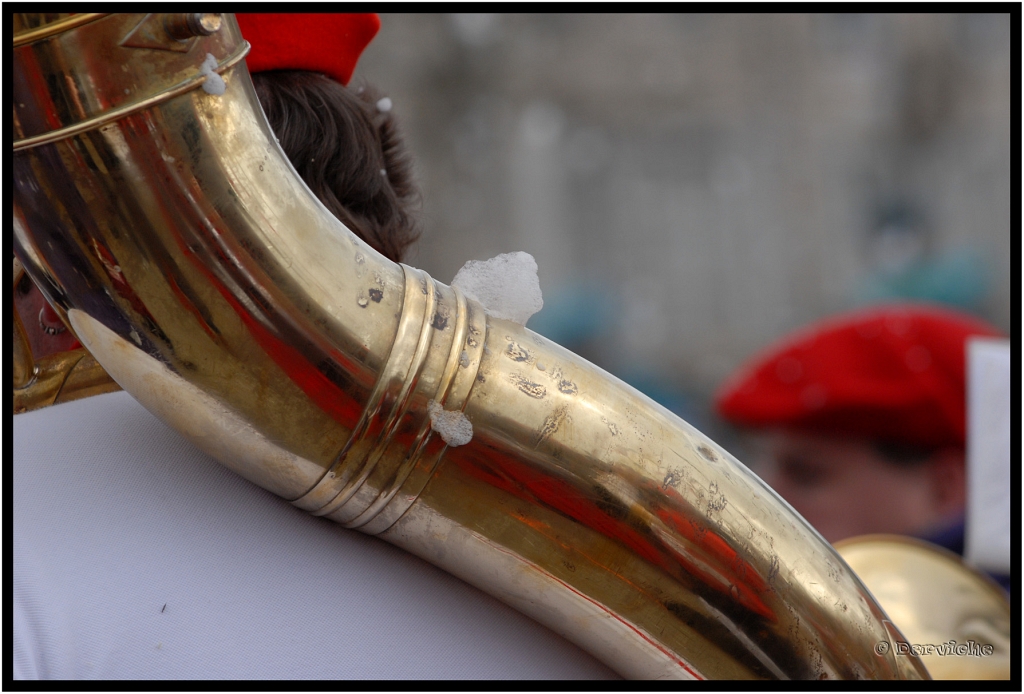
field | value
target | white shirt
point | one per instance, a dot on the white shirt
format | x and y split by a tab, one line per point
137	556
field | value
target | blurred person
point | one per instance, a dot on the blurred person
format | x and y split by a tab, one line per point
862	420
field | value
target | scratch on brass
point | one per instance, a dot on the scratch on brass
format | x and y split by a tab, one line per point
716	501
672	479
516	352
567	387
833	572
551	424
707	453
773	569
534	390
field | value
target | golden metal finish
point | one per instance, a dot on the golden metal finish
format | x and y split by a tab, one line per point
126	109
185	26
23	367
63	377
28	31
204	276
55	378
939	603
171	32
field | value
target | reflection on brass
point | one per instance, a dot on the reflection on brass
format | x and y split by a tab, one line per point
63	377
126	109
203	275
23	371
155	34
171	32
55	378
29	28
183	26
958	618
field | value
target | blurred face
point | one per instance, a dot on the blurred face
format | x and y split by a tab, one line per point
844	488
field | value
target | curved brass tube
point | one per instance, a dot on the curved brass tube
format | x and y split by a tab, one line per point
24	369
957	618
202	274
54	378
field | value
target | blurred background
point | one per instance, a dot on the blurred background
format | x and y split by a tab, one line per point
695	186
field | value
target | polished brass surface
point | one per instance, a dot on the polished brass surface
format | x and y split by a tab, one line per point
171	32
23	367
939	603
54	378
35	27
93	122
63	377
200	271
186	25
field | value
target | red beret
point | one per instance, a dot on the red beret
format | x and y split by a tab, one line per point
894	373
327	43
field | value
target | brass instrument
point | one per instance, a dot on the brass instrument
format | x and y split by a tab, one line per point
52	378
957	618
170	230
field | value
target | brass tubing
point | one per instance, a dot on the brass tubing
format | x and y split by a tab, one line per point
54	378
53	28
134	107
23	362
86	378
204	276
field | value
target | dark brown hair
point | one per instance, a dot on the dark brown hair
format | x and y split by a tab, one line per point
347	151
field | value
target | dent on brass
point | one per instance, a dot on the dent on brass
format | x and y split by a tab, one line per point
199	271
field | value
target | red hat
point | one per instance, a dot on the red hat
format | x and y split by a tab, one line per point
894	373
327	43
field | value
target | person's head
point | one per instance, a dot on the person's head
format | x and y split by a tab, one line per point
847	486
343	142
861	418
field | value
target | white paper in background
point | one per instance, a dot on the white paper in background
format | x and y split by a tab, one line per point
987	541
